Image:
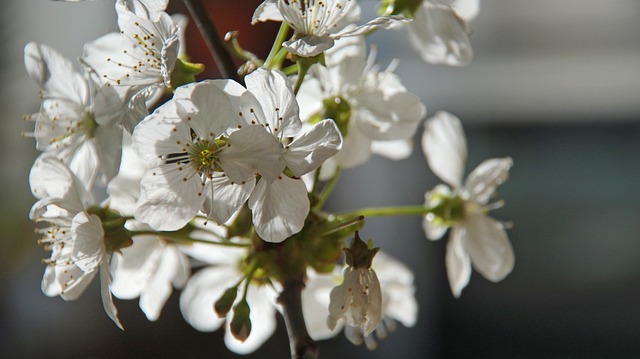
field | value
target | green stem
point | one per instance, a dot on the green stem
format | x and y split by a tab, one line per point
389	211
273	60
182	237
327	189
303	68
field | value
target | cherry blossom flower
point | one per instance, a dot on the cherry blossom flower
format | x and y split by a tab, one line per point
318	23
476	239
207	285
398	301
74	237
439	31
66	124
196	152
373	110
212	162
280	205
135	64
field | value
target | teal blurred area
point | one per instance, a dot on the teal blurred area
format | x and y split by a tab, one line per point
555	85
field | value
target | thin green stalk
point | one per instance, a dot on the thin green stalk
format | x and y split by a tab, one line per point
389	211
272	60
326	190
181	237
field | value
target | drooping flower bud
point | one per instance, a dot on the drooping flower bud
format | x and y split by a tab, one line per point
358	300
223	305
241	323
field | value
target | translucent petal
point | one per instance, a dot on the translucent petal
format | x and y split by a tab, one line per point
169	198
88	242
275	93
440	36
488	246
107	299
227	198
201	292
445	146
483	180
457	261
308	151
279	208
251	150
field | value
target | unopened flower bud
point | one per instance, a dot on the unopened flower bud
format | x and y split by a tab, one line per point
241	323
223	305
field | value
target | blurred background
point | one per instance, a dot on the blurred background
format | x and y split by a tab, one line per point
555	85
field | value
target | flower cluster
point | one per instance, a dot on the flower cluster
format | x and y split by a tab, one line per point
158	179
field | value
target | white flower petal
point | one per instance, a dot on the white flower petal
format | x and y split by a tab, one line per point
267	11
379	23
389	118
467	9
203	289
393	150
149	9
227	198
315	305
55	74
132	268
308	151
251	150
483	180
275	93
206	106
159	288
440	36
309	46
445	146
279	208
457	261
107	299
88	245
488	246
168	201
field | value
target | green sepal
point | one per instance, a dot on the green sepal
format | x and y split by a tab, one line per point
116	236
359	254
242	224
184	72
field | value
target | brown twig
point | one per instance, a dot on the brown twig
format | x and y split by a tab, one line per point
301	344
213	40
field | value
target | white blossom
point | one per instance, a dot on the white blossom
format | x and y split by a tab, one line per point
398	301
74	237
374	111
476	239
318	23
134	64
66	124
358	300
209	283
198	151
